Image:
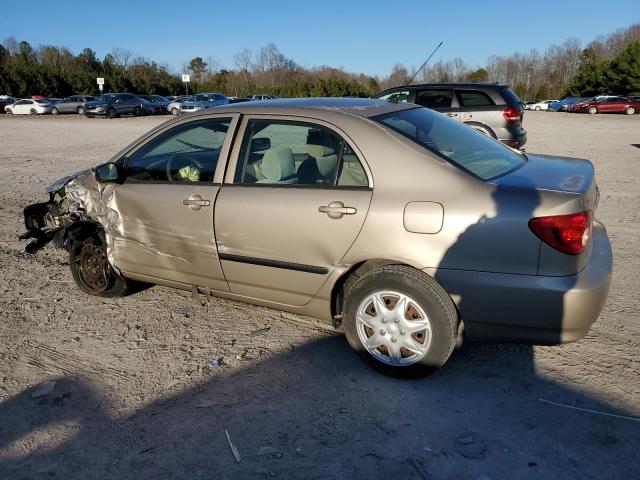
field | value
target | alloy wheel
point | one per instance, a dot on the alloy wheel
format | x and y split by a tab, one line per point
393	328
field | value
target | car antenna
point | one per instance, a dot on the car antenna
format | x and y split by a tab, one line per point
425	62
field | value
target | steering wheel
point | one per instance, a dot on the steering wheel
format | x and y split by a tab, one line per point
187	160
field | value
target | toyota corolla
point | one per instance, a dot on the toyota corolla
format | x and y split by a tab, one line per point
399	224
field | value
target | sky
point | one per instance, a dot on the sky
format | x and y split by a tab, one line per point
364	37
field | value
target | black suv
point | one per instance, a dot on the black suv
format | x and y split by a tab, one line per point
490	108
113	105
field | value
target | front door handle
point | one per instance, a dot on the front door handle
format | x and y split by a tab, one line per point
196	202
336	210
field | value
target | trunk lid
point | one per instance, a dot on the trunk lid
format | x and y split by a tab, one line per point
556	175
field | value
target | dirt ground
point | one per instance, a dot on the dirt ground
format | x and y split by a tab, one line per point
134	396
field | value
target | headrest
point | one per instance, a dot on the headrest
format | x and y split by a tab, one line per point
278	164
319	150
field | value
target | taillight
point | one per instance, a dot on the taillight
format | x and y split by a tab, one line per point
566	233
511	114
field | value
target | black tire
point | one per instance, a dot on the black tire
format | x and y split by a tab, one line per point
80	110
592	110
175	111
136	112
538	109
8	111
55	111
424	290
92	272
33	111
630	111
111	113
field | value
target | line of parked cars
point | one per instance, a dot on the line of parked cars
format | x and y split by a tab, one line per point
116	104
592	105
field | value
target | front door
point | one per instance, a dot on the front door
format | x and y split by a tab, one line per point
290	208
166	204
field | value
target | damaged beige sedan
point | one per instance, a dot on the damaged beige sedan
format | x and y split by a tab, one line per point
392	220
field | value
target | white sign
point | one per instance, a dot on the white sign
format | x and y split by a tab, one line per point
100	81
186	78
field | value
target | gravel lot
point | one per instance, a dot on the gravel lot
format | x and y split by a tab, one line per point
134	397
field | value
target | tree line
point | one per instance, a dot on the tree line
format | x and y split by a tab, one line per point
608	65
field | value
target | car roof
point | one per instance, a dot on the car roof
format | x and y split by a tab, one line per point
451	85
362	107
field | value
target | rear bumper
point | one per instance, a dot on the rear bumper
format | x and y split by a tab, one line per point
514	138
533	308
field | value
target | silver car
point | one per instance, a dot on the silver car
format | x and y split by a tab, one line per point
73	104
393	221
174	106
202	101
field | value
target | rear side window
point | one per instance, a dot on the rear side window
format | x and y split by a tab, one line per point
282	152
474	98
435	99
462	146
396	97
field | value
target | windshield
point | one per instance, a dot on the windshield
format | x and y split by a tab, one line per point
462	146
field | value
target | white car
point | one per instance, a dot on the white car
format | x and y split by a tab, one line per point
544	105
29	107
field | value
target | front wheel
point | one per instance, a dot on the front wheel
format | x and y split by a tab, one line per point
92	272
8	111
111	113
400	320
55	111
538	109
136	112
33	112
175	111
80	110
630	111
593	111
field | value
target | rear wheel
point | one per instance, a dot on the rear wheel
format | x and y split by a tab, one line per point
592	110
400	320
175	111
111	113
538	108
136	112
92	272
55	111
630	111
8	111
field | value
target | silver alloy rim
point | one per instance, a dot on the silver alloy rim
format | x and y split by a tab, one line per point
393	328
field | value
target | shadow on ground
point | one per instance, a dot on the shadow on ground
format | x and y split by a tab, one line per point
327	415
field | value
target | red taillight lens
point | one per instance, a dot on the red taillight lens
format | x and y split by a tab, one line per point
567	233
511	114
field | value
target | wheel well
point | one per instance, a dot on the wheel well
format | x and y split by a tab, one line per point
483	126
80	231
357	270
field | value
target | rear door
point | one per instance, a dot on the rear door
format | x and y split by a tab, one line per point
295	196
441	99
166	203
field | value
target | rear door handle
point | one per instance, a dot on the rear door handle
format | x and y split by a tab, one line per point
196	202
337	210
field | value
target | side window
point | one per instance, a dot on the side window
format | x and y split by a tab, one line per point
186	153
397	97
278	152
434	99
474	98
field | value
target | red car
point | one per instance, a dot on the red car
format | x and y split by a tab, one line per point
611	105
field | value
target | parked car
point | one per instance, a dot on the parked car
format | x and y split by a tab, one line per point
73	104
29	107
543	105
563	105
113	105
261	96
238	99
492	109
158	103
202	101
6	101
174	106
577	106
610	105
406	223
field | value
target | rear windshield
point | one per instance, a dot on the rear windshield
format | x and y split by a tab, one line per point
510	96
462	146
